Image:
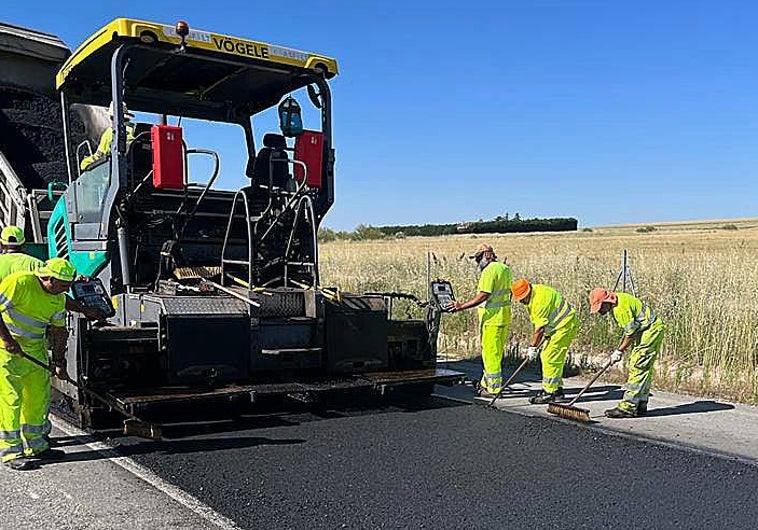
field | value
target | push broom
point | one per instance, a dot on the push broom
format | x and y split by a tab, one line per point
569	411
133	426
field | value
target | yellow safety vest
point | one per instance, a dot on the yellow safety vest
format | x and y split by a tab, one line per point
28	309
633	315
549	309
18	262
496	280
104	148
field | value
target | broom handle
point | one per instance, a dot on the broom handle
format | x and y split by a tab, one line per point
588	385
508	382
92	393
514	374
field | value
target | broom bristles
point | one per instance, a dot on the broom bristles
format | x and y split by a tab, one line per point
568	412
201	271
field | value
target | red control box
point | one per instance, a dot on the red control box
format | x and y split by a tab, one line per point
168	157
309	148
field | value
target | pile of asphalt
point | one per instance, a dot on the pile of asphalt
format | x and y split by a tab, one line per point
31	135
448	466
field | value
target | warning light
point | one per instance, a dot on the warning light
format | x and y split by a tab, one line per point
182	29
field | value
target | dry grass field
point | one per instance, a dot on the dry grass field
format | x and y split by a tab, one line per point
700	277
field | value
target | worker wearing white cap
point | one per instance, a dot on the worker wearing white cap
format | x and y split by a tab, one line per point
494	302
104	147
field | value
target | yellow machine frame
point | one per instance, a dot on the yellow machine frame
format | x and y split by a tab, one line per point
125	28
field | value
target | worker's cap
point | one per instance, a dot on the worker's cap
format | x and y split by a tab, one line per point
598	295
127	114
521	289
481	249
12	236
57	268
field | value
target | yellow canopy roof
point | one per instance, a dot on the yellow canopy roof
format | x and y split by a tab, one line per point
215	73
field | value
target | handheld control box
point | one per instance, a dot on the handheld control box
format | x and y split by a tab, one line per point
442	291
92	293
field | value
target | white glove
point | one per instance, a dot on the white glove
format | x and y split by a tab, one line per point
532	353
616	356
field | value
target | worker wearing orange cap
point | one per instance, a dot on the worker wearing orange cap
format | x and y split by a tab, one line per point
556	323
643	332
494	302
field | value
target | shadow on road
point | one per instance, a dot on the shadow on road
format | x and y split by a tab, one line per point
598	393
176	447
691	408
232	433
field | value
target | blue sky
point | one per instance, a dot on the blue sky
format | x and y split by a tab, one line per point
611	112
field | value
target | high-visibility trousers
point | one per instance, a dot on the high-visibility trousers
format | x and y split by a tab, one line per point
553	355
493	345
24	402
641	363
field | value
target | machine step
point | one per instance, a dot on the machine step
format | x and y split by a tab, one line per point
292	351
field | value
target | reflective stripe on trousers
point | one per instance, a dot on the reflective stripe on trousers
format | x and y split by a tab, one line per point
12	451
553	355
493	344
641	368
10	435
24	393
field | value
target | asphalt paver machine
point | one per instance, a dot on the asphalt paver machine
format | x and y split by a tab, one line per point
216	296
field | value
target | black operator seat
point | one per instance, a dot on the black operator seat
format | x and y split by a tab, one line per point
139	154
271	161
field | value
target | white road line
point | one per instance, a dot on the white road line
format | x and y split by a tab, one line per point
142	473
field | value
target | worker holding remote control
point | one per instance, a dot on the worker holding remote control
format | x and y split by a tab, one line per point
493	300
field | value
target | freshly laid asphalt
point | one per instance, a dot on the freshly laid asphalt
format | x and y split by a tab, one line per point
439	464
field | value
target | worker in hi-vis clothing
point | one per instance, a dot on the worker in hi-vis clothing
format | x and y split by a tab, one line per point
29	302
494	301
13	259
643	332
555	326
104	147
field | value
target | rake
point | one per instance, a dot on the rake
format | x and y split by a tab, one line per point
569	411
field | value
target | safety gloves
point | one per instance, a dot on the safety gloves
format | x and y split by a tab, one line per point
616	356
532	353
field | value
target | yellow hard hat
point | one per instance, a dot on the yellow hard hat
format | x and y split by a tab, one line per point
58	268
12	236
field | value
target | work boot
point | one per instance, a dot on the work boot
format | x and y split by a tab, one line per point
642	409
617	413
543	397
51	454
20	464
482	393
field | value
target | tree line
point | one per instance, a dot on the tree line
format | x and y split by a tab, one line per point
499	225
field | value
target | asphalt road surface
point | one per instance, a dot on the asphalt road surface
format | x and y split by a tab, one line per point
439	464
